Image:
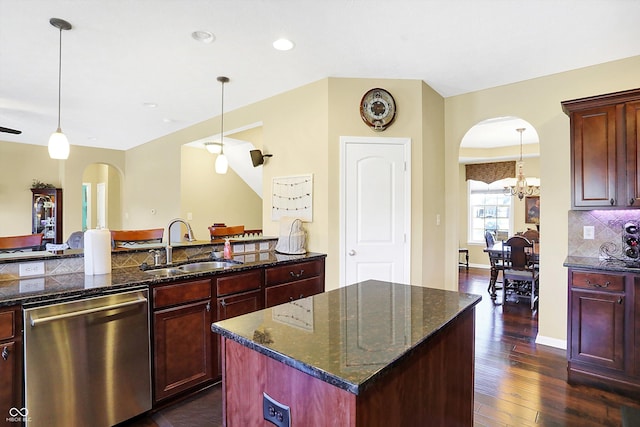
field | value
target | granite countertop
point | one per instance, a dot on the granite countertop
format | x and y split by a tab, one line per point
43	289
350	336
625	266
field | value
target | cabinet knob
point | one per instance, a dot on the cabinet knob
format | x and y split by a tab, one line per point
222	303
612	202
632	201
5	353
620	300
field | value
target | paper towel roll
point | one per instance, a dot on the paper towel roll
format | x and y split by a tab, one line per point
97	252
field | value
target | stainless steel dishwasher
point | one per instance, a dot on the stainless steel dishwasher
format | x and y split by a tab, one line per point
87	362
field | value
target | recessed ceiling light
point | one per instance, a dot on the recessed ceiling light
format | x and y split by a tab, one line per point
203	36
167	120
150	105
283	44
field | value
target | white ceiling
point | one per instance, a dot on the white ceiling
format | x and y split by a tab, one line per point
122	54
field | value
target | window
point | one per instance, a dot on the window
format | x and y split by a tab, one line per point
489	209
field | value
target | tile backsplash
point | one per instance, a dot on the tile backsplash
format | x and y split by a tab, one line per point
608	225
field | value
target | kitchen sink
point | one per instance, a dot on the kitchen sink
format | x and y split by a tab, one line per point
164	272
194	267
206	266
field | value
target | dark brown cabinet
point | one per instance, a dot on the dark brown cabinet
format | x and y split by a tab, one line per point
604	150
46	214
602	349
293	281
186	352
182	317
10	363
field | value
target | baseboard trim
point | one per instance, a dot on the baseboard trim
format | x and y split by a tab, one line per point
551	342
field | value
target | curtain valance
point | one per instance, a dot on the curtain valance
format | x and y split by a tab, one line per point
490	172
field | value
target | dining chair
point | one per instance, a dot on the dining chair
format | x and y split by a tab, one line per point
124	238
497	265
519	275
531	235
26	243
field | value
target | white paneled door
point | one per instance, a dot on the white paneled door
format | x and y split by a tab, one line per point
376	209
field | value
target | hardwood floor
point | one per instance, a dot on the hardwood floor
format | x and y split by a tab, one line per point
517	383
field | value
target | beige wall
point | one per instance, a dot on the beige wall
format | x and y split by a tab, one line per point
538	102
21	163
302	129
212	198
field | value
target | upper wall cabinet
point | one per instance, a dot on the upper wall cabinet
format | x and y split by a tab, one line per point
605	161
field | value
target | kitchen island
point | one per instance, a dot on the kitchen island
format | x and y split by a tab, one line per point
369	354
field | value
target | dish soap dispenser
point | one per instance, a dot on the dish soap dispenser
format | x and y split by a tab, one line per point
227	249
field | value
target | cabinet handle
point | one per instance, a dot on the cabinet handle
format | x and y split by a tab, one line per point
598	285
612	202
620	300
631	202
5	353
222	303
296	275
208	306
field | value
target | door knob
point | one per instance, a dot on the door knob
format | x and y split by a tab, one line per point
352	252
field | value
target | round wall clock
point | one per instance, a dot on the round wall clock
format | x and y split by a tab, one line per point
378	109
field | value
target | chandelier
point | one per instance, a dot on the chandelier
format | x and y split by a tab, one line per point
519	185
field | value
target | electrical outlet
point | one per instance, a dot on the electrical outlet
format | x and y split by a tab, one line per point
275	412
588	232
32	269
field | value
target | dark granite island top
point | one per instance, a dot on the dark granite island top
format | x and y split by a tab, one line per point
358	339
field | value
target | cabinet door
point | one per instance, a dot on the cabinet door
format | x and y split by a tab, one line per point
632	112
182	348
594	153
597	328
10	363
10	380
235	305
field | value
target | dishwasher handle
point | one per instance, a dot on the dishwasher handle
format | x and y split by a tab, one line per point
37	321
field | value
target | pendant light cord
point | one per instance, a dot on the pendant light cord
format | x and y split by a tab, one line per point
222	122
59	77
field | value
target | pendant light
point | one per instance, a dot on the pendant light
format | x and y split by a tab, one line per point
222	164
521	187
58	142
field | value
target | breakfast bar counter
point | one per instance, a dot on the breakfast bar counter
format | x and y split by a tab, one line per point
370	354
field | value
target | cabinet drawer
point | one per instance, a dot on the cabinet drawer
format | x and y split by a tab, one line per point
240	282
597	281
7	323
280	294
236	305
294	272
181	292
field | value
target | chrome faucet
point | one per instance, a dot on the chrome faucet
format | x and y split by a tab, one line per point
190	237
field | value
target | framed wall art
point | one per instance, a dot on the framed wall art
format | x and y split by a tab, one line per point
532	212
292	196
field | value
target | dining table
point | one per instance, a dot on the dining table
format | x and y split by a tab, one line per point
499	255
